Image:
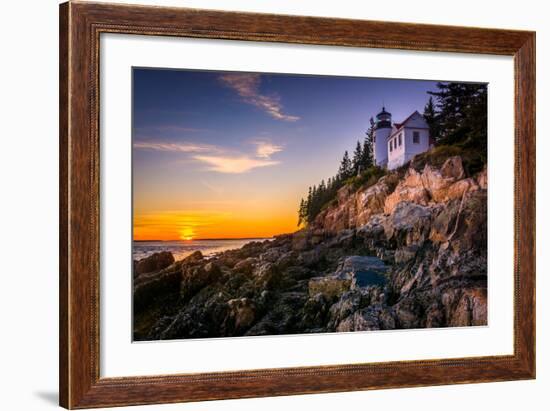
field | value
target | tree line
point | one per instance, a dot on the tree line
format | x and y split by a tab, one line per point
350	166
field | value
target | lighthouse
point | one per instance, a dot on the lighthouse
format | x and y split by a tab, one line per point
382	130
396	144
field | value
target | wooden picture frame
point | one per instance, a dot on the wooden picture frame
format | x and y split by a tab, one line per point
80	27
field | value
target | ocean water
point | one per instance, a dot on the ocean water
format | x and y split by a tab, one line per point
182	248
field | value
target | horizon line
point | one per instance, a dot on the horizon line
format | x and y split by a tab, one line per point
215	238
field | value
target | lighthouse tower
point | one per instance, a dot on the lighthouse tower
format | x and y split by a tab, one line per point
382	130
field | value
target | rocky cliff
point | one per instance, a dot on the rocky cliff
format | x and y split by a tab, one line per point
407	252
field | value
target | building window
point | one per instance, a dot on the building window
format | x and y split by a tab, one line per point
400	135
391	147
416	137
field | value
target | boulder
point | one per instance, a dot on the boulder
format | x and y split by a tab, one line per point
408	224
310	258
410	189
271	255
212	269
365	319
444	223
418	195
408	313
193	258
363	270
284	315
287	259
371	201
471	231
466	307
349	302
462	223
156	285
267	276
245	266
203	316
460	188
227	260
314	312
330	286
353	272
196	277
154	262
437	182
337	218
371	318
358	322
242	313
374	229
252	249
452	168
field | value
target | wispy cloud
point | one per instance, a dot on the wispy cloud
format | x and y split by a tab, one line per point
217	158
174	147
234	165
265	149
248	87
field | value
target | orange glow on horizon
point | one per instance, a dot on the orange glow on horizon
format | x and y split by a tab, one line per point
189	225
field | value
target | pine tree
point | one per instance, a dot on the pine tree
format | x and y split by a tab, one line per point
312	209
367	159
322	187
309	202
462	114
302	213
345	170
356	163
431	118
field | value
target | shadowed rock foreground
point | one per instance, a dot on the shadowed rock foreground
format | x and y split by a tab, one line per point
407	252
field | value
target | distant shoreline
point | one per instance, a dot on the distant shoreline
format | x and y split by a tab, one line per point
207	239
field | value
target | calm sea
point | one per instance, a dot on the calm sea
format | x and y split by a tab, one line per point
181	249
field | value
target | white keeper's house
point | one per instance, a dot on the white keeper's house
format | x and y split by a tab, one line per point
396	143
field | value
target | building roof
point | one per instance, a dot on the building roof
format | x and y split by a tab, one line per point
397	127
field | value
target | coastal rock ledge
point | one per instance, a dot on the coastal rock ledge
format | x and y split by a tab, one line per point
409	251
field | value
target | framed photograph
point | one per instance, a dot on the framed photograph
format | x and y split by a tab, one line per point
259	205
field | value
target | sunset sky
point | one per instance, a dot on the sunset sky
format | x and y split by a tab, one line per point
229	155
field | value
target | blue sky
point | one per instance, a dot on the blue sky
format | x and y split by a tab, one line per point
245	143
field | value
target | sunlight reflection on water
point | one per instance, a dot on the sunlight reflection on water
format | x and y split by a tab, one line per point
181	249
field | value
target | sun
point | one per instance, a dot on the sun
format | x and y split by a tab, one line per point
187	234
